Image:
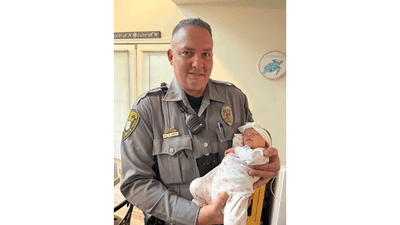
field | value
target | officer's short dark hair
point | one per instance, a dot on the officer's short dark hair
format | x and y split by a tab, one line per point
192	21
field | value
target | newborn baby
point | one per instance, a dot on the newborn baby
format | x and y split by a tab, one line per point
232	175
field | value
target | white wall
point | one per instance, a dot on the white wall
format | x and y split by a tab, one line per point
242	34
149	15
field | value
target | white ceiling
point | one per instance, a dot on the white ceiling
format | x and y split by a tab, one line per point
276	4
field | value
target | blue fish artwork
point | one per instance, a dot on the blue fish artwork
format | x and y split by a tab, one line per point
273	66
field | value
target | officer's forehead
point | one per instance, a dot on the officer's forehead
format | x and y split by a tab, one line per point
192	32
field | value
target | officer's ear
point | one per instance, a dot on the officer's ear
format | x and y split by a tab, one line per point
267	145
170	56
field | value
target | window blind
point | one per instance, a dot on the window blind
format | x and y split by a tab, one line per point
156	69
121	96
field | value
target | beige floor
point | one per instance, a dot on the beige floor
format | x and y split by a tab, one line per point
137	215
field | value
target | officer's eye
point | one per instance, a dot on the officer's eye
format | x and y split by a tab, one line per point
206	54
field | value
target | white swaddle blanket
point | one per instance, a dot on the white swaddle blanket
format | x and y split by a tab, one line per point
232	177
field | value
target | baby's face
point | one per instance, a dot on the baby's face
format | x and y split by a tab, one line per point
253	139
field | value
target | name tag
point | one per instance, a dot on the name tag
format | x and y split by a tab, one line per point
171	135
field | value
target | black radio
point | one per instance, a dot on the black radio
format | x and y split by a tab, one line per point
207	162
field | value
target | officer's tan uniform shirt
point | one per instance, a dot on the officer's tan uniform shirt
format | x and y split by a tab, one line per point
164	192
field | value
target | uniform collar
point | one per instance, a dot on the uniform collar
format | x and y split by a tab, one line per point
176	93
213	92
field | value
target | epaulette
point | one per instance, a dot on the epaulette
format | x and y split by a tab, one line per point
222	82
154	90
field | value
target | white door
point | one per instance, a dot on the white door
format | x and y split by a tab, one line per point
137	68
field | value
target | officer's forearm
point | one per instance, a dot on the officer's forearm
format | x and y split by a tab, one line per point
153	198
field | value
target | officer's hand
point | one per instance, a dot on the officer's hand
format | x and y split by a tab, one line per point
211	214
268	170
231	150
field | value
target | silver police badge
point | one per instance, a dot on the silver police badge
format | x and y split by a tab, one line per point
226	114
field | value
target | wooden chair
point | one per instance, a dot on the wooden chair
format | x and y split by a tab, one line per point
253	219
127	219
256	208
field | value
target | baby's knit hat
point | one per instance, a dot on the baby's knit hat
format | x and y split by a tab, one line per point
259	129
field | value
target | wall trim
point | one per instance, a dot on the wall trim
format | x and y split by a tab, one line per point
142	41
141	34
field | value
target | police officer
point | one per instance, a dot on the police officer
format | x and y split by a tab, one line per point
179	132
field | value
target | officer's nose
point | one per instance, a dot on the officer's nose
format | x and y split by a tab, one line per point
198	62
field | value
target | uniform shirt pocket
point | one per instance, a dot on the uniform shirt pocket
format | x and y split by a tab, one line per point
170	153
225	133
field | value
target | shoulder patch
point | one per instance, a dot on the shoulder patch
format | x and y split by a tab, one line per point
131	124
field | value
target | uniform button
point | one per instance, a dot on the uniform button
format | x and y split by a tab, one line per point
205	144
171	150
